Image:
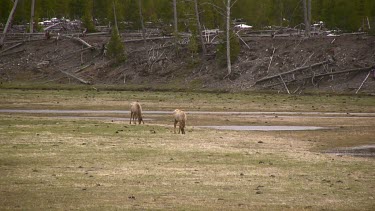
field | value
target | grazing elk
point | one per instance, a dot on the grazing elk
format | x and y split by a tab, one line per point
136	113
179	117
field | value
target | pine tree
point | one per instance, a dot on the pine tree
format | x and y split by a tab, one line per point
116	47
87	18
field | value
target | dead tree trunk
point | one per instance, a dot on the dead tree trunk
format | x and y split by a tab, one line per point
306	18
115	16
80	41
75	77
363	82
141	18
9	22
229	65
175	19
32	13
199	27
309	12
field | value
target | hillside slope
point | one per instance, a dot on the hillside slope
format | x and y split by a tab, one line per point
160	65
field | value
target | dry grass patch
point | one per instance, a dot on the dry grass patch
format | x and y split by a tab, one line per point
55	163
75	164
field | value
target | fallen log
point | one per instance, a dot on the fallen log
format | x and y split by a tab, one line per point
79	40
286	87
147	39
25	40
97	34
10	53
363	82
24	34
326	74
11	47
83	68
292	71
75	77
146	49
56	24
347	71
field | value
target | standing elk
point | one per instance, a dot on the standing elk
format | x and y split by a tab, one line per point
179	117
136	113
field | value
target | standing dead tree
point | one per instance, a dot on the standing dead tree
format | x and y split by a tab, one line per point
175	20
141	19
114	14
227	14
32	13
9	22
229	65
307	16
228	6
199	26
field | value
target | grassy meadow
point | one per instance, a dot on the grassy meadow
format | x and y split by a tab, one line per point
80	161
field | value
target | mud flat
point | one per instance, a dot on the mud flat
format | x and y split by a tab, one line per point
360	151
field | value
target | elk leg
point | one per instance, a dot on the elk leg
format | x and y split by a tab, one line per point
175	123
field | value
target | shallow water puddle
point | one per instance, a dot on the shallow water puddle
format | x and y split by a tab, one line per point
265	128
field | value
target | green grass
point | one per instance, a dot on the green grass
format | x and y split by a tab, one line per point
98	100
49	163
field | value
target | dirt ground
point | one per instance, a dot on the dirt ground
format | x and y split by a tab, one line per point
160	65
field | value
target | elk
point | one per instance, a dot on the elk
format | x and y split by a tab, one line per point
136	113
179	117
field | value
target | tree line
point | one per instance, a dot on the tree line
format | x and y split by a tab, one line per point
342	14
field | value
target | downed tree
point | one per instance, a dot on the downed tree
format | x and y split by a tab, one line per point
80	41
292	71
363	69
75	77
25	40
363	82
49	27
11	47
83	68
13	52
148	39
346	71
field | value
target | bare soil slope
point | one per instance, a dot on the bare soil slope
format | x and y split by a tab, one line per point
159	64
